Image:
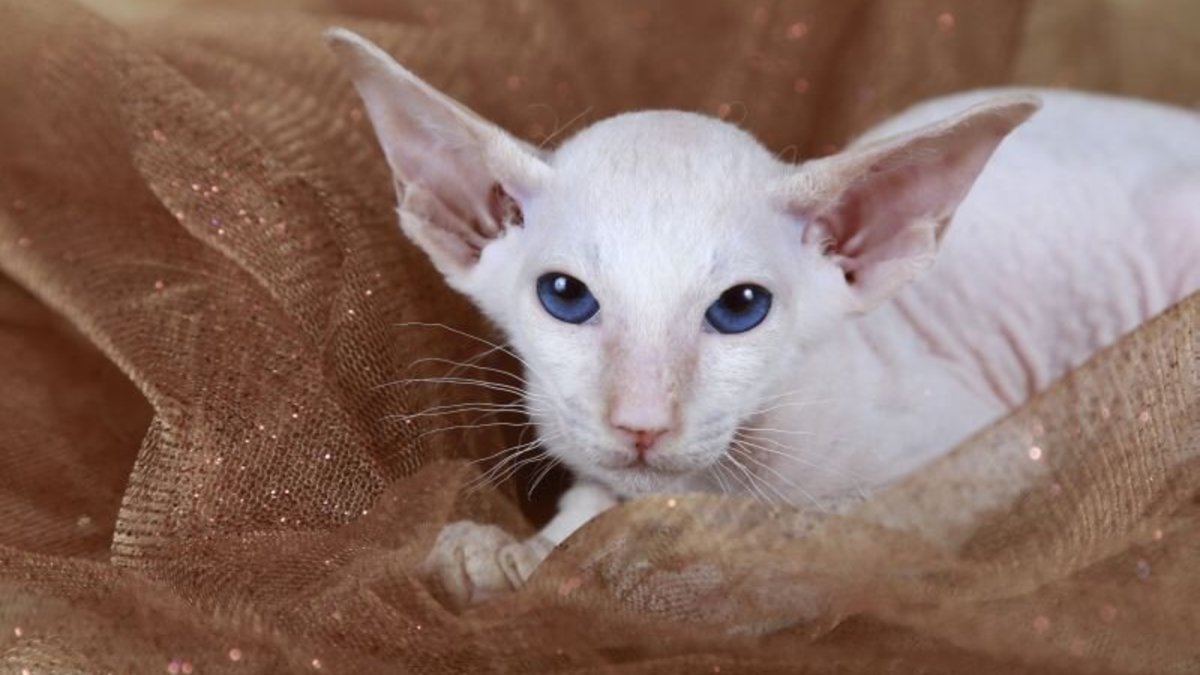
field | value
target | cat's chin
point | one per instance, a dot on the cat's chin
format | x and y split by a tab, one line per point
641	481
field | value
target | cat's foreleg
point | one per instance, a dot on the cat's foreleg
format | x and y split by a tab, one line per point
582	502
473	561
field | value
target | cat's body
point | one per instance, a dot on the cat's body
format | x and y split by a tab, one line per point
694	314
1085	223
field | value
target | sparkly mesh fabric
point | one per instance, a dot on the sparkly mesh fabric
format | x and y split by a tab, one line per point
204	295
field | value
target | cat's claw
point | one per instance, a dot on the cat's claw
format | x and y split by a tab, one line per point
473	562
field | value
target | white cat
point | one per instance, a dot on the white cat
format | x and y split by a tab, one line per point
696	315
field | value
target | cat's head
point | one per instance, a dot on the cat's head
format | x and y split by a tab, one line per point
660	271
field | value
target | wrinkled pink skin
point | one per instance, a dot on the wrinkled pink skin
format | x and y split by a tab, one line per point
1084	223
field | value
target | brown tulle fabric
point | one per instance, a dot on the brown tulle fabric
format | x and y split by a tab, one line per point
205	304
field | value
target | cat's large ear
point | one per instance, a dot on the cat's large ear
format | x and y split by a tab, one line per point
880	210
460	180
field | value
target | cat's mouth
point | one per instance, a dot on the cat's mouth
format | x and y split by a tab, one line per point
653	474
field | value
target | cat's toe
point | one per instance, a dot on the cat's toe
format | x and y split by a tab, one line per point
520	559
466	561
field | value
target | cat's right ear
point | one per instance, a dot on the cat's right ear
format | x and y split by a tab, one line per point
460	180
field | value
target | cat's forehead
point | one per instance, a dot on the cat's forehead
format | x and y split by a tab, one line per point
654	148
655	205
659	177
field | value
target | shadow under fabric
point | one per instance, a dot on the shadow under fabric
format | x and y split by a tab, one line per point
203	295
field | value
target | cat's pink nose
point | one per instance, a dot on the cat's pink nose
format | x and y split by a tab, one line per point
643	439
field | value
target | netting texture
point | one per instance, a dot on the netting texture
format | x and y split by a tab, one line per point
206	302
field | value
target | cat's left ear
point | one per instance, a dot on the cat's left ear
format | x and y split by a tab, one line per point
461	181
880	210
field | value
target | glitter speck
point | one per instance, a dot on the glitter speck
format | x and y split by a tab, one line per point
797	30
195	187
1035	453
174	667
1158	535
671	503
1144	416
316	664
369	293
83	522
159	285
945	22
800	85
186	668
215	189
328	456
1041	624
235	654
1142	569
18	632
159	136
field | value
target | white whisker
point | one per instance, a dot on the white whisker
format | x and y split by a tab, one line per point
755	490
455	408
790	453
787	432
554	461
466	381
456	331
745	453
783	497
464	364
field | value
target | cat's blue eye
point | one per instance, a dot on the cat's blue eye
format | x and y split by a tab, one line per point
566	298
739	309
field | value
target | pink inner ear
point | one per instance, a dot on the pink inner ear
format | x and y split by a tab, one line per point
503	208
879	210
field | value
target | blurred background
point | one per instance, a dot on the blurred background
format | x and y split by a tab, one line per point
803	75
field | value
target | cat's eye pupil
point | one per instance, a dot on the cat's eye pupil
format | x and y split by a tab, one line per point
739	309
566	298
740	298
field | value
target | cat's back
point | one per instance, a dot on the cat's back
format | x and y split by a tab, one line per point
1085	223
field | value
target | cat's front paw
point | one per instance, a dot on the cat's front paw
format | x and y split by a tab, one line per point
474	562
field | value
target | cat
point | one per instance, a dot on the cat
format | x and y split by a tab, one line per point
696	315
